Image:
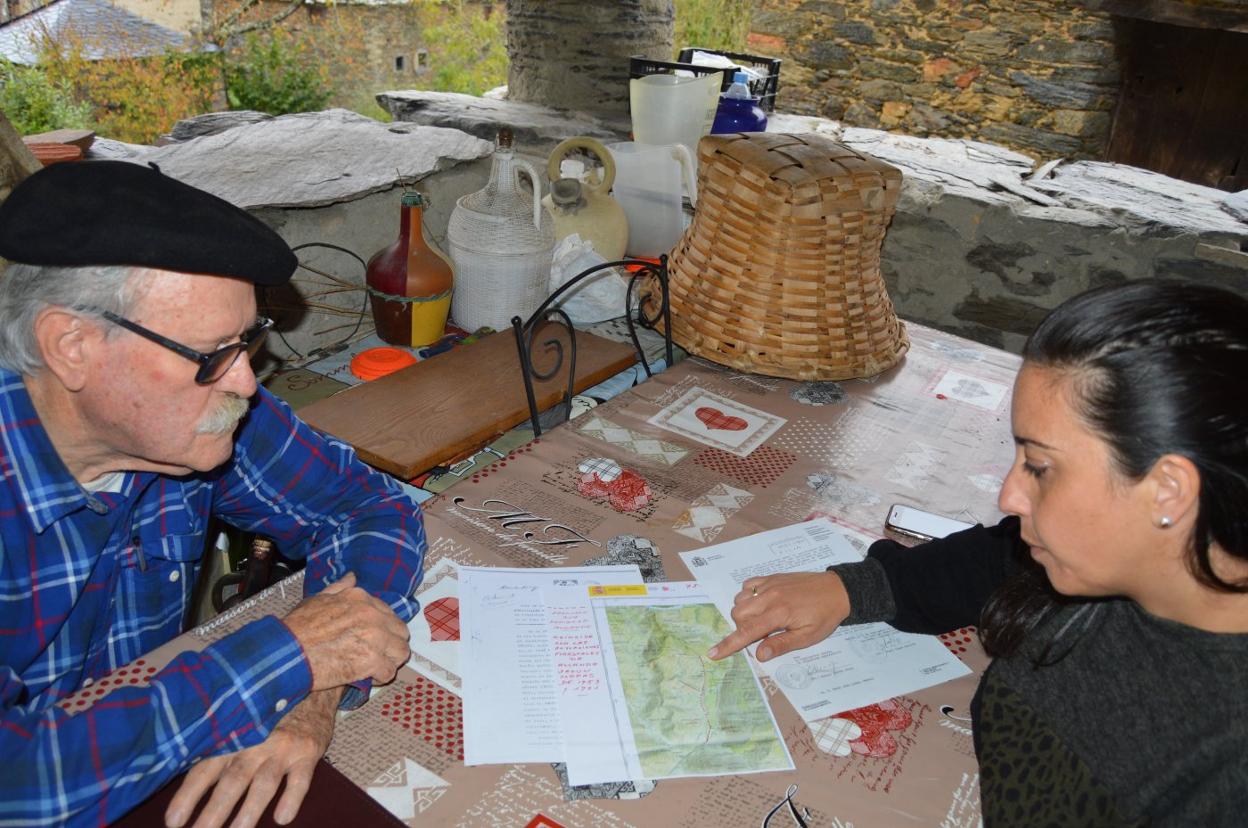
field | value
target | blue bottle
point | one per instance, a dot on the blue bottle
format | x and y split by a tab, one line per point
738	111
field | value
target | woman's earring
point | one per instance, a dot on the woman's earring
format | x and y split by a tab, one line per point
1164	522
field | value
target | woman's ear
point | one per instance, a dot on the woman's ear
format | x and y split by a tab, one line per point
65	340
1175	487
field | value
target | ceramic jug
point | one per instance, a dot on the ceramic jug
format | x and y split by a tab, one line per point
501	241
586	209
648	185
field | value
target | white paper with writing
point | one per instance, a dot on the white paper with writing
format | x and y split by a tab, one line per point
856	665
511	707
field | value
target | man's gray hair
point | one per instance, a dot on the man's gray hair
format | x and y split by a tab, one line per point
25	290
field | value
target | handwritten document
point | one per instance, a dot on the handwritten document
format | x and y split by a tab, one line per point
855	666
639	698
511	706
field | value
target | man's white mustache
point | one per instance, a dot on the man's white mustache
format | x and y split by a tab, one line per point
224	419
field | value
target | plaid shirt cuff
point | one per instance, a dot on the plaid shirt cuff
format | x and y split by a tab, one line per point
271	673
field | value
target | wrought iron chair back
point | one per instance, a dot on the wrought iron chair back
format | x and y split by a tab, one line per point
650	309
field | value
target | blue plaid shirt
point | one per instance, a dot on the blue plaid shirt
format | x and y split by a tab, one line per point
89	582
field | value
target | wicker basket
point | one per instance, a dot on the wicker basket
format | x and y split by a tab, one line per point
779	273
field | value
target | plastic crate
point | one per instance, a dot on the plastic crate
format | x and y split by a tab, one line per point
764	90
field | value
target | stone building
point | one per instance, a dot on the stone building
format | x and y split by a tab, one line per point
1155	84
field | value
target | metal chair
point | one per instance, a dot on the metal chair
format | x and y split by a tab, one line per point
653	306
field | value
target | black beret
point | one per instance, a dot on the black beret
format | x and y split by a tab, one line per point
119	213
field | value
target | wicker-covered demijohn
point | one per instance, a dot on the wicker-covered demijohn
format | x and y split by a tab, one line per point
779	273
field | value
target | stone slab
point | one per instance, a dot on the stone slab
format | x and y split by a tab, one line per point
310	159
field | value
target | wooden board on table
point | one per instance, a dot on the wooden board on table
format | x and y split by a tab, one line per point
422	415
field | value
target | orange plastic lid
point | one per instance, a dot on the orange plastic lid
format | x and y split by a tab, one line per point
377	362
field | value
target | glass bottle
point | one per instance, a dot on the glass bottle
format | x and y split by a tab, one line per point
501	241
410	283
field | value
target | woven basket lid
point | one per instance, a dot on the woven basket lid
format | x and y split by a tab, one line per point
779	273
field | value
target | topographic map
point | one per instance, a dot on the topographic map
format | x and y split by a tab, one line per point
690	716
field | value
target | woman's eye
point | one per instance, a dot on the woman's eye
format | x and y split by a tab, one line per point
1034	470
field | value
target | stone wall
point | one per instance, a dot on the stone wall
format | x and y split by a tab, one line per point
981	245
1038	76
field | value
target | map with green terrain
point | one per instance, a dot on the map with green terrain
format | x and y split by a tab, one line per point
690	716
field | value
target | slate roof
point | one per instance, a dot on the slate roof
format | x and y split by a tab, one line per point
105	31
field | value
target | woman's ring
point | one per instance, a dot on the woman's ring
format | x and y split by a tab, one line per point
754	591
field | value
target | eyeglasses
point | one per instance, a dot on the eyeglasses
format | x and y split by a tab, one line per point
213	366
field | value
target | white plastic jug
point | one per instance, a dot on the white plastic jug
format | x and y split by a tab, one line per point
648	183
668	109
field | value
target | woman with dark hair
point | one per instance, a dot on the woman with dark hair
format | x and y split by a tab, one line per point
1114	597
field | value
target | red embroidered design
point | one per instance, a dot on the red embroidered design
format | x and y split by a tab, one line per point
876	720
443	618
714	418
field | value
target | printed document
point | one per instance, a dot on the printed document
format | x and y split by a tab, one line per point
511	706
857	665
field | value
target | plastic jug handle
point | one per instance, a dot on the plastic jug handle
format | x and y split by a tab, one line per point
681	153
596	148
527	168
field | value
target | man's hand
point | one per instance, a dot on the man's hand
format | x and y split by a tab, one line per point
348	635
291	751
789	611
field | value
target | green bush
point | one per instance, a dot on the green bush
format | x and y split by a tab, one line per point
275	73
713	24
34	103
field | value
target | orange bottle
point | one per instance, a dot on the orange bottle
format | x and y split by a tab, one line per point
409	283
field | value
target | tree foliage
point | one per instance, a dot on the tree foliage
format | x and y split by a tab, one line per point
35	103
467	45
276	72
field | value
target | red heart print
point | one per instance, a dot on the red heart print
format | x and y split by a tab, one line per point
443	618
714	418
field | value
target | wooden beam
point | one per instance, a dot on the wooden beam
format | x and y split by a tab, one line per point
1176	13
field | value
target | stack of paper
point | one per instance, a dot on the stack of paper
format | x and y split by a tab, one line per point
589	666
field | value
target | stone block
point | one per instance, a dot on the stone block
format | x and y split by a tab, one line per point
925	120
878	91
989	43
855	31
1108	76
968	77
1062	95
859	114
822	8
900	56
1051	51
823	54
778	24
888	71
937	68
892	113
1078	123
765	44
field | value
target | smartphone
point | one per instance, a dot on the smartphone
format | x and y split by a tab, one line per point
916	523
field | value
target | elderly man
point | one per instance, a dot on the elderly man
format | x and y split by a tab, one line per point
131	417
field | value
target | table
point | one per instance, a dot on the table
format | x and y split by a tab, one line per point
409	421
933	432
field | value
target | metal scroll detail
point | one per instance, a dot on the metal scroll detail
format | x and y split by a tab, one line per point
652	306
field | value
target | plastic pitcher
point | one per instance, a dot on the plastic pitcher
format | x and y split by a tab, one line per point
648	186
668	109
